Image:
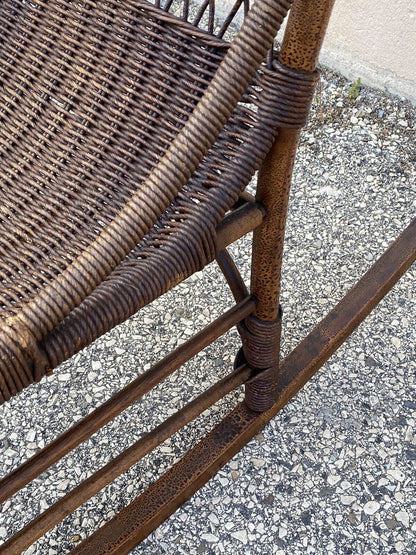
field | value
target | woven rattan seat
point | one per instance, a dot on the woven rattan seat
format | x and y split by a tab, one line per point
90	103
129	130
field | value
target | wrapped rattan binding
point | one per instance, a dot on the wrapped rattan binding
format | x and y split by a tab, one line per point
261	347
291	94
94	225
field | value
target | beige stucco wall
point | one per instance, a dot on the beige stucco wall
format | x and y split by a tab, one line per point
371	39
374	40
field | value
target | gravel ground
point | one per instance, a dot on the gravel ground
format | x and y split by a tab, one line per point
334	472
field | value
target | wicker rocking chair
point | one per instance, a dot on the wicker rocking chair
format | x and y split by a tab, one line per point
128	133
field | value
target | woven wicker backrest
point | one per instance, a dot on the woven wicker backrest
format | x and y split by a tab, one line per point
213	16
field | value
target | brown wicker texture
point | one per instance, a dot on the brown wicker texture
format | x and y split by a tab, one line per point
105	202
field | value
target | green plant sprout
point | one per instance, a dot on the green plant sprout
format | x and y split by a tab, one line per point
355	89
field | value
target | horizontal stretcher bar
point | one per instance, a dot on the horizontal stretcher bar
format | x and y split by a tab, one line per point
239	222
123	399
92	485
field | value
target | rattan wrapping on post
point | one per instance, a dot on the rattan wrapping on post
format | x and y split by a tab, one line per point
293	92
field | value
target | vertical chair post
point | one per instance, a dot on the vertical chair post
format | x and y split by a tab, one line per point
295	77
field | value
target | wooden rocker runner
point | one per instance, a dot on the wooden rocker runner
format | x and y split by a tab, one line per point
128	133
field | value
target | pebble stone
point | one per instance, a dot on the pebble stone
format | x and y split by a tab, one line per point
240	535
371	507
334	471
403	517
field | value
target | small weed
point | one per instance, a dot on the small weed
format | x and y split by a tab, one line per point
355	89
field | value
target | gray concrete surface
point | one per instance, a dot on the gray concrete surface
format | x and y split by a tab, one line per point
374	40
